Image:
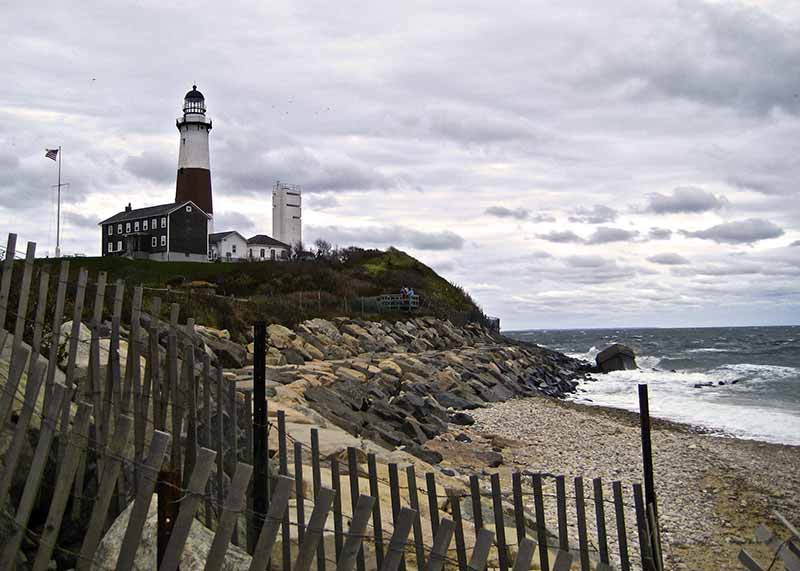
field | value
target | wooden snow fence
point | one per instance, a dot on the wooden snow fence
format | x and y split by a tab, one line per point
158	421
786	551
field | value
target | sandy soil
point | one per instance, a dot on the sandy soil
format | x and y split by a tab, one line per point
712	491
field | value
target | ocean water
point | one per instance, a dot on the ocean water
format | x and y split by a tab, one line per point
755	372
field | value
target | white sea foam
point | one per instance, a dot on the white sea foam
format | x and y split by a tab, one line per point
727	409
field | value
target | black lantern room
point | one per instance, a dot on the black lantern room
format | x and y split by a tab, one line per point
194	102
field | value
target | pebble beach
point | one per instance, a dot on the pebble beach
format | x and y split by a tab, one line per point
712	491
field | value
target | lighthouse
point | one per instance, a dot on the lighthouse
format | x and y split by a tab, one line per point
194	171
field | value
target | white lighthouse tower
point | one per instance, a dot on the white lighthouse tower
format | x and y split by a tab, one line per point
194	170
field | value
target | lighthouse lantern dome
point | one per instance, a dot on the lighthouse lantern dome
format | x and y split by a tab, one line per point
194	102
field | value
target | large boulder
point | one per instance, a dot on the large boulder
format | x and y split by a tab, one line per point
617	357
229	354
195	552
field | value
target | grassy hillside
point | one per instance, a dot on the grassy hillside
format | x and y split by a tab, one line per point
284	292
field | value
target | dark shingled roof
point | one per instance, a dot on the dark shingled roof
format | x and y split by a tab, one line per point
264	240
194	94
149	211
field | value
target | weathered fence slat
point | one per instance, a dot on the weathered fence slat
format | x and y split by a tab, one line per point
433	502
413	502
316	527
394	494
39	317
499	523
524	555
5	283
175	397
600	515
66	473
580	512
519	508
480	553
189	505
15	369
279	502
234	505
316	476
541	529
220	426
355	534
283	468
24	293
190	406
377	525
397	543
441	543
747	560
455	510
35	474
337	507
645	552
20	437
563	561
112	466
355	496
622	535
58	317
300	500
475	498
652	520
144	495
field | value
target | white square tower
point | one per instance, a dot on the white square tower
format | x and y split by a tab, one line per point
287	224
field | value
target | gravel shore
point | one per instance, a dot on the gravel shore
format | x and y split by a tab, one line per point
712	491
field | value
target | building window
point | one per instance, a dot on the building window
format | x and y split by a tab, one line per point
110	230
155	224
119	228
127	227
188	208
163	221
233	248
251	252
144	224
111	246
262	252
136	226
272	254
119	245
154	242
163	240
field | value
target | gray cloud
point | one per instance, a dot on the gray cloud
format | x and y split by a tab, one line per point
85	221
659	234
153	166
321	201
224	221
598	214
561	237
668	259
683	199
388	236
605	235
739	232
503	212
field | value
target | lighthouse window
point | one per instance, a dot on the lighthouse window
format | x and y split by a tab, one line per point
163	240
144	224
163	221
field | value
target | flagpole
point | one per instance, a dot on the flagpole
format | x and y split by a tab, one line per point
58	215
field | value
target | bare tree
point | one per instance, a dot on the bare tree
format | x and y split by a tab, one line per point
297	251
324	248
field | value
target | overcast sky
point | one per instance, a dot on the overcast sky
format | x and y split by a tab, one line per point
572	164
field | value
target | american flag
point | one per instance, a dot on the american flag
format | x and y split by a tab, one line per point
51	153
